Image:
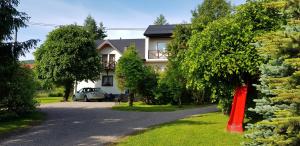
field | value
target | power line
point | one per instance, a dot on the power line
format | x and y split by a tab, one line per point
43	24
125	29
106	28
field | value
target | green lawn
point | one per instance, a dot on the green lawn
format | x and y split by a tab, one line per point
199	130
140	106
44	100
25	121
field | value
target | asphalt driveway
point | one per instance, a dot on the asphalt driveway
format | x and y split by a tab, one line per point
92	123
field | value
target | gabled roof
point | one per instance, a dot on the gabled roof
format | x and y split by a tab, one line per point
121	44
159	30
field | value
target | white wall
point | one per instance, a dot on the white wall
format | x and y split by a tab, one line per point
98	84
109	89
157	66
110	50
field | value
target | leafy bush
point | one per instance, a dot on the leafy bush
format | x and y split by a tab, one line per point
162	92
21	92
169	90
55	94
148	85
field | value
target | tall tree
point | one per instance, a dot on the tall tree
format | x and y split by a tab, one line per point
97	32
221	56
206	12
68	54
148	85
209	11
280	84
130	72
10	21
160	20
177	47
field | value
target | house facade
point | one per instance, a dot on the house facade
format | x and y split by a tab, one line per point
152	49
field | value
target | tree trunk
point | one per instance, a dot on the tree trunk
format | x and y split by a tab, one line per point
68	88
179	102
203	97
131	97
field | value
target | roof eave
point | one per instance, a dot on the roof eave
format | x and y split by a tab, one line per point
165	35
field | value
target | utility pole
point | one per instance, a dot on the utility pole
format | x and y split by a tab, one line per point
15	42
16	34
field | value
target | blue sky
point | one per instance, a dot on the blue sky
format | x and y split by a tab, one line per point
113	13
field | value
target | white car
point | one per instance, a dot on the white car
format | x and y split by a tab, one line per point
88	94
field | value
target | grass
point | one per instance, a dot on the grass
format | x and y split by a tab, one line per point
14	124
199	130
141	107
45	100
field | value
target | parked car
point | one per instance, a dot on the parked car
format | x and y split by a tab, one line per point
87	94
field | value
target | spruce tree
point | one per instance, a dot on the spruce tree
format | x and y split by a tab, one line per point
280	85
97	32
13	97
160	20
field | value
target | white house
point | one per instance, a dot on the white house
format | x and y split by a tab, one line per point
152	49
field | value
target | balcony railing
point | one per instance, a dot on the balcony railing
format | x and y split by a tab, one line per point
157	54
110	65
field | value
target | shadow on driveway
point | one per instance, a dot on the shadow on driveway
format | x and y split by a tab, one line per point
93	123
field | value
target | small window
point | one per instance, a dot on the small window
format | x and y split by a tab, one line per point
104	57
112	58
107	80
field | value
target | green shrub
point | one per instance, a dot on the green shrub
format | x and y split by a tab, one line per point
148	85
55	94
163	93
21	92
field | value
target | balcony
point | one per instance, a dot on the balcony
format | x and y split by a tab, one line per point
157	54
109	66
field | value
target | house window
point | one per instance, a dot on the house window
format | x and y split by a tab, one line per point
107	80
104	58
161	46
108	61
108	57
160	52
112	57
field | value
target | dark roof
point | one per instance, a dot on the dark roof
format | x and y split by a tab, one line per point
121	44
159	30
